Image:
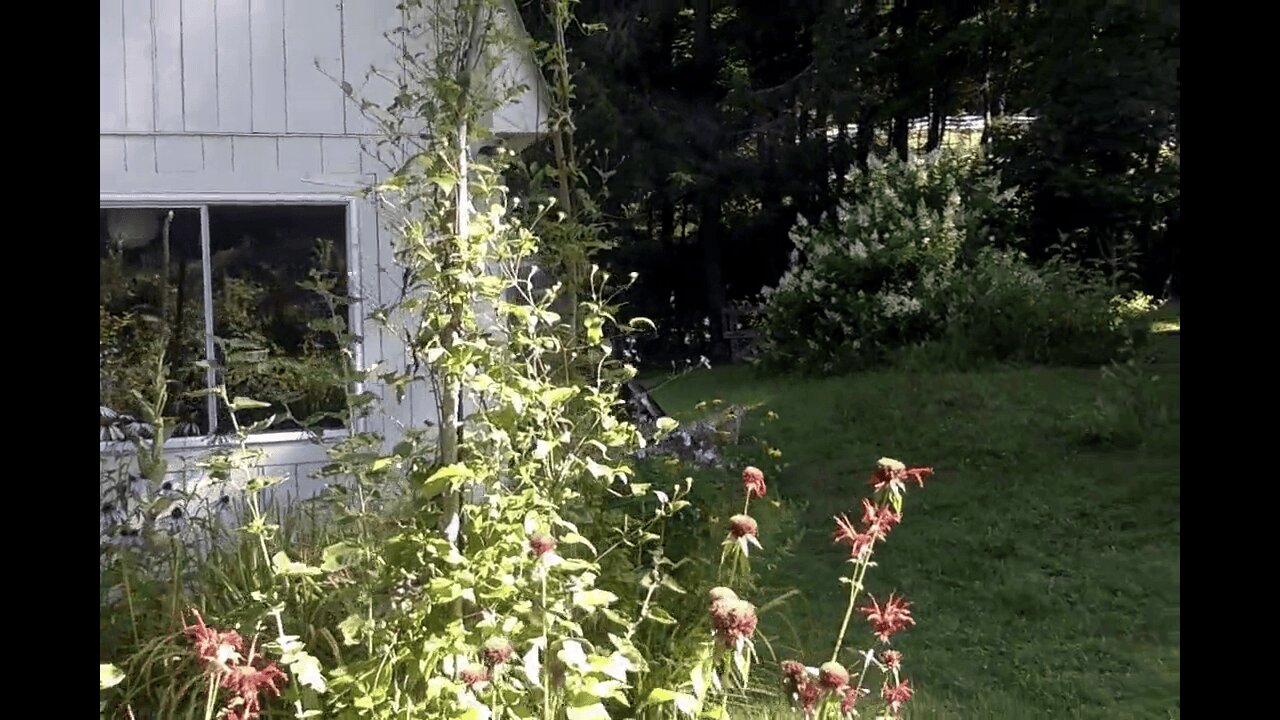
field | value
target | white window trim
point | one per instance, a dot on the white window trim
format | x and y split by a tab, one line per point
355	309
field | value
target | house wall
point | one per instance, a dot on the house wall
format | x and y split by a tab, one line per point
235	100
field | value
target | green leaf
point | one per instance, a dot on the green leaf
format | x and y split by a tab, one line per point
340	555
684	702
262	482
597	470
558	396
531	663
584	706
666	424
615	666
291	568
742	662
382	463
658	696
109	676
604	688
475	712
573	538
445	476
698	679
446	183
659	615
354	628
306	669
239	403
591	599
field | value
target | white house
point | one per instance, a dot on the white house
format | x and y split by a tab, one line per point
217	111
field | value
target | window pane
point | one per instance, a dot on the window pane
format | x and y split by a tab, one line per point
279	307
151	304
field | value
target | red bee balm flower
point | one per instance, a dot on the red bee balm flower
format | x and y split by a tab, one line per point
892	659
794	675
889	470
215	649
753	481
879	519
833	676
733	620
845	532
247	682
918	474
497	650
896	695
541	543
890	618
800	686
743	525
851	697
718	594
808	696
474	675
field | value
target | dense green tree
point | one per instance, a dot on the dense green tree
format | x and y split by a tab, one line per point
717	122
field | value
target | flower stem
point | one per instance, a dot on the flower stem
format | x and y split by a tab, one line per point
855	585
211	698
546	651
128	596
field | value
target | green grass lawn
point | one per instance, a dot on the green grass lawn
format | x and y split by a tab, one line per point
1042	566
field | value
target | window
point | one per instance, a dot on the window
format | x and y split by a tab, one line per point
253	296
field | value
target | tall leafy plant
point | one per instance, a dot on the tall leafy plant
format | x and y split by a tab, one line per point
478	596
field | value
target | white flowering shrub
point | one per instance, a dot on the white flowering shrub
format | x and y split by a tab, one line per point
913	259
868	279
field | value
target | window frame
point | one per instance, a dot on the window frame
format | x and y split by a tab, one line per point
201	202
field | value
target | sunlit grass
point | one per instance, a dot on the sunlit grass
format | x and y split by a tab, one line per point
1044	572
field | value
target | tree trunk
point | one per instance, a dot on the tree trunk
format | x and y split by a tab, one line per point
937	122
864	138
900	136
713	269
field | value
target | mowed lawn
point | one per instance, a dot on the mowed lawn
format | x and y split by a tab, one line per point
1041	562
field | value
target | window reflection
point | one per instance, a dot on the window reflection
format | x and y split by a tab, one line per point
278	276
151	310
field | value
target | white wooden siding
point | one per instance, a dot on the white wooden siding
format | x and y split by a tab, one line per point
249	66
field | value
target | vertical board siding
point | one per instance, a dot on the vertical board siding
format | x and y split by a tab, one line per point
341	155
313	33
366	25
300	157
111	154
167	31
140	155
255	155
235	66
199	65
219	155
179	154
266	48
250	66
139	77
111	69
